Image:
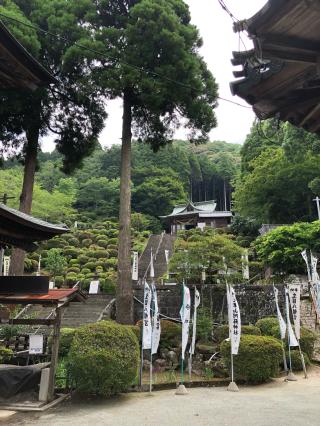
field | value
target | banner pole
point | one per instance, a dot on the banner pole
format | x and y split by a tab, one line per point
303	362
182	360
285	365
141	362
290	377
152	322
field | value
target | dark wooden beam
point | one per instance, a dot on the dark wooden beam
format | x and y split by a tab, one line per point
290	56
54	354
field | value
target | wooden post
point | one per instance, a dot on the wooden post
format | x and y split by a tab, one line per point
54	354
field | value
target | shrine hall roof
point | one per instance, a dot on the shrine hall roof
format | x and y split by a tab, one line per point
280	75
22	230
201	209
18	68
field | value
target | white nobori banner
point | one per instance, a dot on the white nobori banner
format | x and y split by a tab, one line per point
282	323
151	265
185	318
6	265
234	320
194	325
304	255
156	327
135	266
245	265
294	298
146	326
292	338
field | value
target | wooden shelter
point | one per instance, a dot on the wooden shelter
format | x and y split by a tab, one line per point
280	76
22	230
196	215
19	69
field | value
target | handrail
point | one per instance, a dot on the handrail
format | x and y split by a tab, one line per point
23	310
105	309
155	256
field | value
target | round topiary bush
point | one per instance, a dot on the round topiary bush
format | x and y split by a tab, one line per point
258	359
266	325
104	358
59	280
83	259
222	332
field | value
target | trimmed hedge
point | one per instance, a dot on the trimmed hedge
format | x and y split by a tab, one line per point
307	341
66	337
104	358
222	332
258	359
170	334
266	326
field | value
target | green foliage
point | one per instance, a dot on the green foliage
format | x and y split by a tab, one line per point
272	161
281	247
258	359
66	337
104	358
195	250
170	334
55	262
222	332
307	341
296	362
5	354
204	325
269	326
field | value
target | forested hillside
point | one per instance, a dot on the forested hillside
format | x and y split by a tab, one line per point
159	181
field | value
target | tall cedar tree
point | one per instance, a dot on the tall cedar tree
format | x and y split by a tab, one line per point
152	62
72	110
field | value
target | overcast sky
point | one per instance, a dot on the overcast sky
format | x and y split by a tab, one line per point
219	40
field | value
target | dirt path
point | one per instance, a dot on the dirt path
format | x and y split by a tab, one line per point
274	404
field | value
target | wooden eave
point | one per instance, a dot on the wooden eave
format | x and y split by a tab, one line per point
281	75
21	230
19	69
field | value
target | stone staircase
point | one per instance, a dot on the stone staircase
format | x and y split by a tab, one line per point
93	310
158	244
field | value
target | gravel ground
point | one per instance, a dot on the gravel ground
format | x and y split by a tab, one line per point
277	403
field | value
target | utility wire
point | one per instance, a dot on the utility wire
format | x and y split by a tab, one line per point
103	54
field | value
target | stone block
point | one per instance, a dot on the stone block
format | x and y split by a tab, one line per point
44	385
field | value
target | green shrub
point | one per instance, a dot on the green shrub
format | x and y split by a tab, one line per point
5	354
258	359
90	265
59	280
112	252
222	332
266	325
170	334
85	271
104	358
74	262
83	259
307	341
86	242
71	278
296	360
103	243
71	251
74	269
108	286
66	337
204	324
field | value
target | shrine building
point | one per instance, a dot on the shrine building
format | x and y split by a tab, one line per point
196	215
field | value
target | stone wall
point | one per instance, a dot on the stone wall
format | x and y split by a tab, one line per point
255	301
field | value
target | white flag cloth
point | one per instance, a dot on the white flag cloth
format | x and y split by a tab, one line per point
234	321
294	298
292	338
146	330
245	265
194	325
151	265
185	318
166	253
135	266
156	328
314	273
282	323
305	258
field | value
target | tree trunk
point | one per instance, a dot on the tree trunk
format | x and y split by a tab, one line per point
18	255
124	302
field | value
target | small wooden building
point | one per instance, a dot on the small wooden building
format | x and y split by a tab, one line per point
280	76
196	215
19	69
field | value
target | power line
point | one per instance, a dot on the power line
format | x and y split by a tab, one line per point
103	54
234	19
